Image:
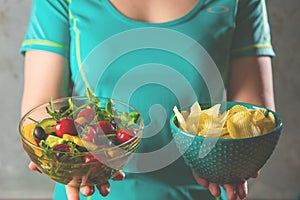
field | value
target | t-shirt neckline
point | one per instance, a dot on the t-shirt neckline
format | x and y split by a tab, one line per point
183	18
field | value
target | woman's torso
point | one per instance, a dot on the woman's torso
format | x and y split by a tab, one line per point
153	66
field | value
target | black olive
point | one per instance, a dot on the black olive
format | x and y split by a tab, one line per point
39	133
61	151
53	133
59	155
63	109
81	149
114	122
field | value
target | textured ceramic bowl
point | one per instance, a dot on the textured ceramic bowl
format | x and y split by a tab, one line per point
226	160
72	170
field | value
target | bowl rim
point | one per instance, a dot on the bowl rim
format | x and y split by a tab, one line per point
278	120
139	131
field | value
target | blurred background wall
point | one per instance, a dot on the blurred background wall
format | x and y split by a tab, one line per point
280	178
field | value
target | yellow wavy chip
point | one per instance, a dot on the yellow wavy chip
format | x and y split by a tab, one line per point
225	131
213	111
240	125
226	136
272	117
237	122
257	115
267	125
205	122
220	120
213	132
236	109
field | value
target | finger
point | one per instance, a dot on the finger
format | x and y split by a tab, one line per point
104	189
119	176
72	193
214	189
243	190
230	191
87	190
33	167
200	181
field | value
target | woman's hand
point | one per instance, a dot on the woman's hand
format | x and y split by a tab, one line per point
73	192
233	191
104	189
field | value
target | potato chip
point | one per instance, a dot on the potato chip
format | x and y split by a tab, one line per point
213	111
267	125
240	125
180	119
271	117
226	136
212	132
192	129
257	115
237	108
192	123
220	120
237	122
195	109
205	122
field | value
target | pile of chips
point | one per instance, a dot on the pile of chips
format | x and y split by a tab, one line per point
237	122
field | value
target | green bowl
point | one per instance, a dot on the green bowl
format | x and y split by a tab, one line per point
222	160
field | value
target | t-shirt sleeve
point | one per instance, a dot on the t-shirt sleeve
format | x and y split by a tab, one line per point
252	31
48	27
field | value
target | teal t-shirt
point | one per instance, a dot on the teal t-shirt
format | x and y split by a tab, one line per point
153	66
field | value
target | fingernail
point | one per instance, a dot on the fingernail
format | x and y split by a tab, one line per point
86	191
105	191
83	190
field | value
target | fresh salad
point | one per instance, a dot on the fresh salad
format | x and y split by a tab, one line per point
80	140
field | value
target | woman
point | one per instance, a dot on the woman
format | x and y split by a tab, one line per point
64	38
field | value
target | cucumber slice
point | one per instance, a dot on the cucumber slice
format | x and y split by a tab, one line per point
48	125
52	141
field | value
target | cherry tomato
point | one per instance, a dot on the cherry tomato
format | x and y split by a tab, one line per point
125	135
92	158
91	134
88	113
62	147
65	126
104	127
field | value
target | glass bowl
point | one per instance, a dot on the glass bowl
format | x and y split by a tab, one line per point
84	162
222	160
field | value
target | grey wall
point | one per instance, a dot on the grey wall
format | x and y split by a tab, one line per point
280	178
16	181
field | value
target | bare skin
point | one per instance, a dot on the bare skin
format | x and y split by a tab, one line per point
250	81
154	11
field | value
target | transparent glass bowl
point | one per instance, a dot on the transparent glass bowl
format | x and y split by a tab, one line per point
72	169
221	160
